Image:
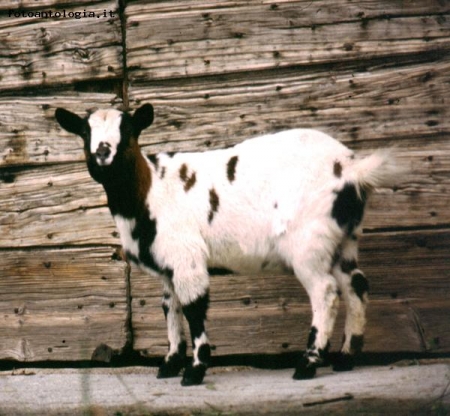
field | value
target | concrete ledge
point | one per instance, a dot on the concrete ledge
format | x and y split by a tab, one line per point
419	389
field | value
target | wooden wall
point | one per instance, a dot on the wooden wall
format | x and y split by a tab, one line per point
63	293
373	73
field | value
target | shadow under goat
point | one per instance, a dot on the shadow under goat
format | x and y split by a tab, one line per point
290	202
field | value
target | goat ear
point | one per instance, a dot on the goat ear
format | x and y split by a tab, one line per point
142	118
70	121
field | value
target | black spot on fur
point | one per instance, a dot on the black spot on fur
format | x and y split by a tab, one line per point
231	168
360	285
348	207
195	314
337	169
145	233
204	353
347	266
214	204
312	338
155	161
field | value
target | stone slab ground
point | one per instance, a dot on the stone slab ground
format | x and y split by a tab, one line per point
418	389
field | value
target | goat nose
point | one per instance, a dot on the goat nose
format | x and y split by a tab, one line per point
103	152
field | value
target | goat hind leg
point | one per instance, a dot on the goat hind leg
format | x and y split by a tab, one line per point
323	294
175	360
354	287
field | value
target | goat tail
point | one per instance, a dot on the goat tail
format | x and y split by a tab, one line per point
378	170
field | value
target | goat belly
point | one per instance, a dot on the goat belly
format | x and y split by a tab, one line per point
238	259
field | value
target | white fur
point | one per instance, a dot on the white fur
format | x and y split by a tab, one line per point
105	128
283	187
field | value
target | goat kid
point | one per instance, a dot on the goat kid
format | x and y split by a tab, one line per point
290	202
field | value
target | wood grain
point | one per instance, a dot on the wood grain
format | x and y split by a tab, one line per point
379	105
43	4
398	105
407	265
54	206
45	52
233	37
61	304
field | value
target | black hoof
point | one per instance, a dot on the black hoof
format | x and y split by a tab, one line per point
305	370
193	375
172	367
344	362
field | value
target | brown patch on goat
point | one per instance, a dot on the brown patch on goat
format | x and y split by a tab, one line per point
214	203
189	181
231	168
143	173
337	169
183	172
128	198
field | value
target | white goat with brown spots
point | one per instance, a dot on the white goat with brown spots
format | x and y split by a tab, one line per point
288	202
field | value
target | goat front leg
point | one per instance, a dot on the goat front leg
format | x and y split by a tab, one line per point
193	292
175	360
195	313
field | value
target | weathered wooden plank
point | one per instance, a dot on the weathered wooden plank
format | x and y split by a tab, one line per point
54	205
61	304
301	11
60	50
407	265
434	323
29	133
15	5
178	39
393	103
271	314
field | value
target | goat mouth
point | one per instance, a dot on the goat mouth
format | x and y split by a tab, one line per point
103	162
